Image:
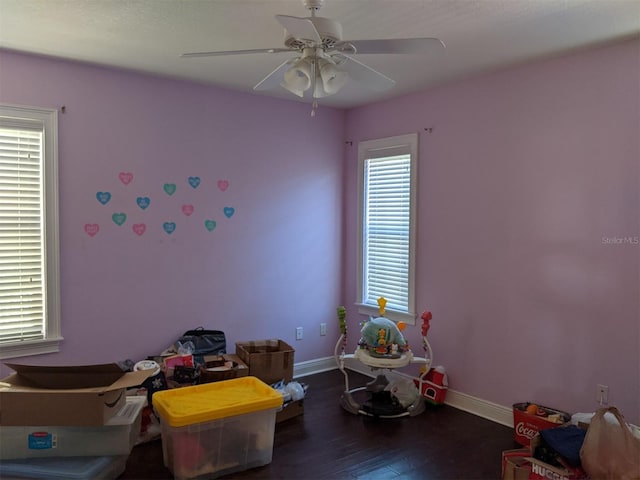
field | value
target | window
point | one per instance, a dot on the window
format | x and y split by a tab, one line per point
29	295
386	237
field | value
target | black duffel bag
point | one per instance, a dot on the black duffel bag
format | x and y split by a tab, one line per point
205	342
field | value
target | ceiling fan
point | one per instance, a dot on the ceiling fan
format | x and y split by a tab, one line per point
324	61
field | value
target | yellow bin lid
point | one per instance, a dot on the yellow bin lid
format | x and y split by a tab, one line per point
211	401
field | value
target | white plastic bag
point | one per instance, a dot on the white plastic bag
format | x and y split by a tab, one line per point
404	391
610	451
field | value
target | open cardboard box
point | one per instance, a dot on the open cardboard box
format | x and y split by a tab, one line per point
290	410
87	395
269	360
230	366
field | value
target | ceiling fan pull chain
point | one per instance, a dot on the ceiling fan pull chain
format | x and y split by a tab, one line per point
314	107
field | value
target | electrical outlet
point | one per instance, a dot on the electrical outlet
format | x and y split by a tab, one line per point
323	329
298	333
602	395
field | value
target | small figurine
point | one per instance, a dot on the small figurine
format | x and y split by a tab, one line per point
382	303
381	344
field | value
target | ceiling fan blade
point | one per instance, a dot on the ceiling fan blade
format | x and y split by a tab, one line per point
234	52
301	28
399	45
274	78
366	75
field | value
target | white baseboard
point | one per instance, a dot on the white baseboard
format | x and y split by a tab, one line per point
468	403
302	369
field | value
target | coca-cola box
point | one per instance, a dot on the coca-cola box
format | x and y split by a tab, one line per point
527	425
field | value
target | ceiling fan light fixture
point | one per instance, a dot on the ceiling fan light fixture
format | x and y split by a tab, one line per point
333	79
329	79
298	78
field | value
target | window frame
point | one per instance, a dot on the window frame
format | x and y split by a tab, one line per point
13	115
380	148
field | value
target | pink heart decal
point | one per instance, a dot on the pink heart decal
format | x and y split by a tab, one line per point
91	229
223	184
187	209
125	177
139	228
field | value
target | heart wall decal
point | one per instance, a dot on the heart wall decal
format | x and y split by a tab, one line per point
223	185
143	202
169	227
91	229
194	182
103	197
125	177
169	188
210	225
139	228
187	209
119	218
229	211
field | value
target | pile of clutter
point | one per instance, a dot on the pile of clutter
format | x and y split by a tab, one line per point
560	446
87	430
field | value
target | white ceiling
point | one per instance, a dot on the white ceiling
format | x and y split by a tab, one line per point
149	35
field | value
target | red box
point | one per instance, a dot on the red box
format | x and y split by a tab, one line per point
526	426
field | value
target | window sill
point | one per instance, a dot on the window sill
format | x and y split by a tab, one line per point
408	318
25	349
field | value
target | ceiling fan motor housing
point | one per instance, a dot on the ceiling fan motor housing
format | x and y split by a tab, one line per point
330	33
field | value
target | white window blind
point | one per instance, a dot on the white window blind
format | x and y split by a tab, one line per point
387	226
29	312
21	270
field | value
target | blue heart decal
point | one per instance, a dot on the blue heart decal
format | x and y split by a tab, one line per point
103	197
194	181
169	227
119	218
229	211
210	225
143	202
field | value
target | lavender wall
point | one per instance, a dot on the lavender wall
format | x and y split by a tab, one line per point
528	177
269	265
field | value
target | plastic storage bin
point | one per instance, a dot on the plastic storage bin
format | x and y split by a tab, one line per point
116	437
217	428
65	468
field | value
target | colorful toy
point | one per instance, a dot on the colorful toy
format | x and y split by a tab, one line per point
382	346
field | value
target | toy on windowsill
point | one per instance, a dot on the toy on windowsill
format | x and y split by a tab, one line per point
382	337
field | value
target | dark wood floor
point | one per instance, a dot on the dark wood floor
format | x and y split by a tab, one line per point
329	443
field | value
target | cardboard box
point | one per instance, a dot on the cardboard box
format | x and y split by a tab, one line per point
87	395
515	465
269	360
526	426
228	366
290	410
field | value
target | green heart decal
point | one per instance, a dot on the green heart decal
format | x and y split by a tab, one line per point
170	188
119	218
210	225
